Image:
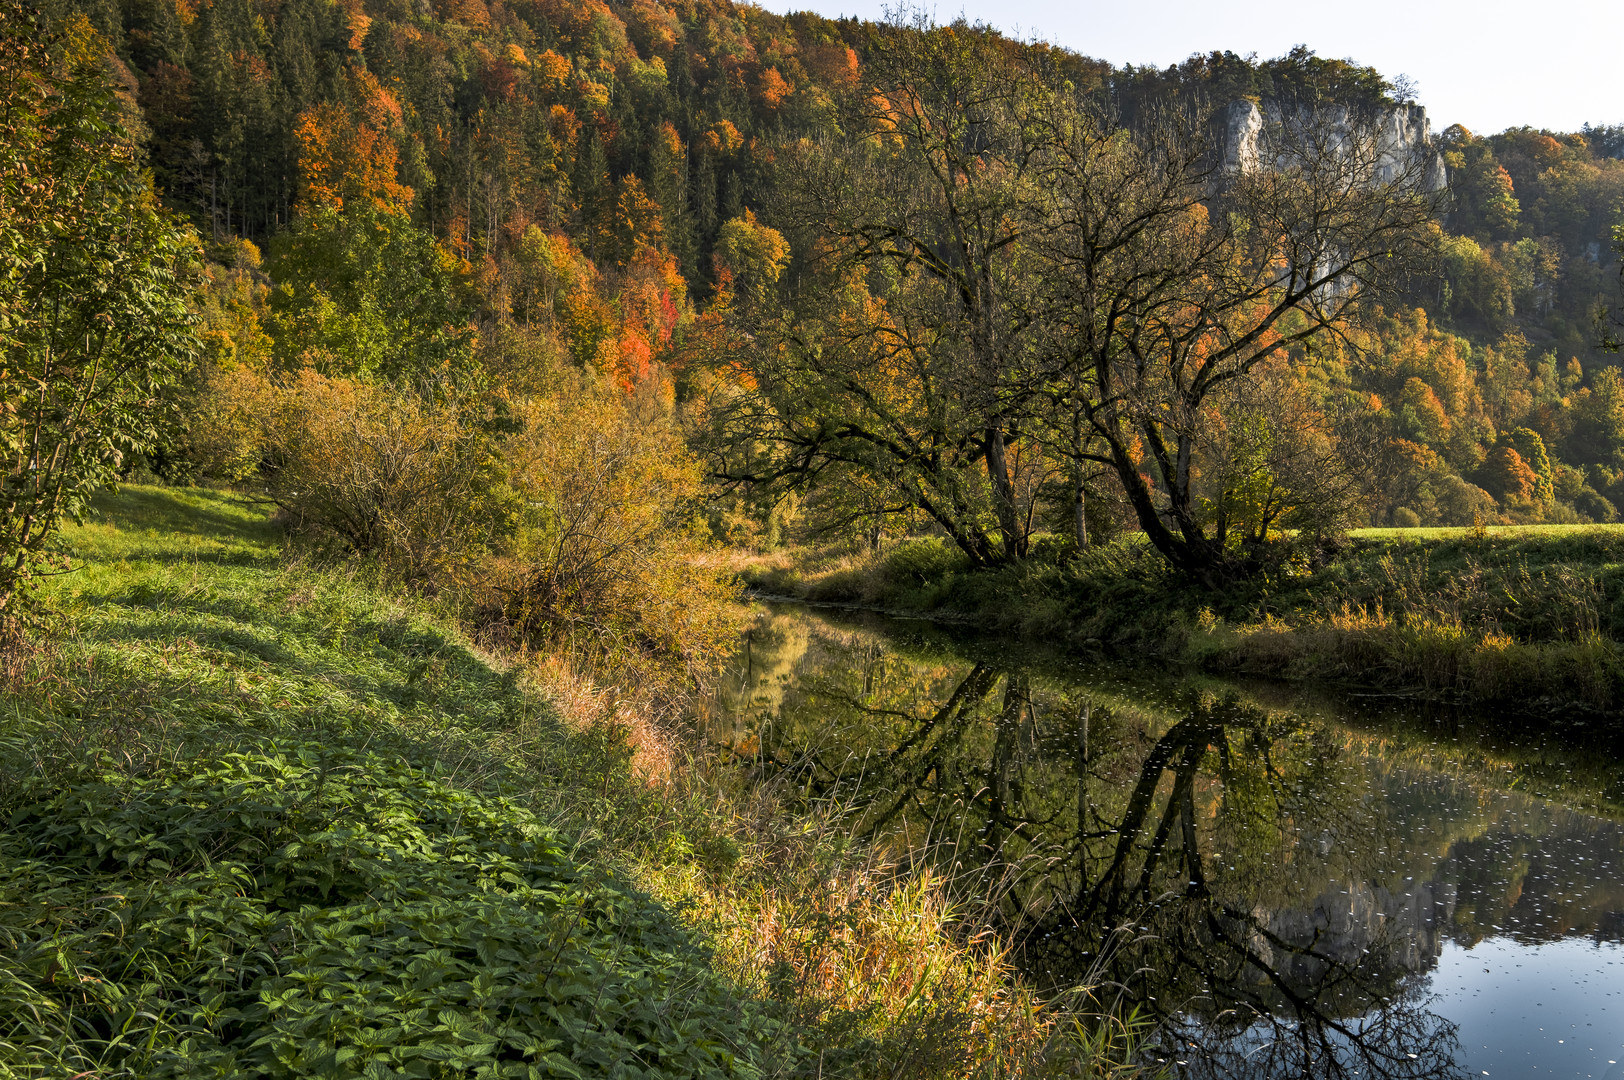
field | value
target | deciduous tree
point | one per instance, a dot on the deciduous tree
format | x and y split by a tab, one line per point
904	349
363	292
94	322
1177	267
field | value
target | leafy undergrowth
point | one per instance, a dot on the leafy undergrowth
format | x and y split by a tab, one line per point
266	818
1505	616
309	910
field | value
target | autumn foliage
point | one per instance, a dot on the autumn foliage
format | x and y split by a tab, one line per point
351	153
609	556
490	202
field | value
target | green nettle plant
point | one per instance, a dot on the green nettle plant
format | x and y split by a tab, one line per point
94	321
312	910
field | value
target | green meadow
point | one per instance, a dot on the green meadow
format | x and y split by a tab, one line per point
268	817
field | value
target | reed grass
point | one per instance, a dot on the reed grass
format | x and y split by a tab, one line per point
1530	617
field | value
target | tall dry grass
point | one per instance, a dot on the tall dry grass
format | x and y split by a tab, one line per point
862	951
1504	618
1482	632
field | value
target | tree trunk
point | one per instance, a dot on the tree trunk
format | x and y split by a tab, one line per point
1003	494
1189	553
1081	522
971	540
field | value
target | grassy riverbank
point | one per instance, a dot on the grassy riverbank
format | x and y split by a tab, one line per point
1532	617
269	817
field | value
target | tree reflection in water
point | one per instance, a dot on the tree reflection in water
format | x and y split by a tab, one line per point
1265	891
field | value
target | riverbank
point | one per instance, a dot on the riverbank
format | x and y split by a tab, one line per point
1527	618
269	816
1361	848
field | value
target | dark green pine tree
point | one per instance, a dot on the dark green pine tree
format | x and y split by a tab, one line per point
684	93
593	188
732	195
668	185
155	35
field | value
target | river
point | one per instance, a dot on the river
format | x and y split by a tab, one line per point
1290	882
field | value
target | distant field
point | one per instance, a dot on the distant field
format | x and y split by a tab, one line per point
1457	532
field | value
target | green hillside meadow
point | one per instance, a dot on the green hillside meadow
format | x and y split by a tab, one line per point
267	819
268	830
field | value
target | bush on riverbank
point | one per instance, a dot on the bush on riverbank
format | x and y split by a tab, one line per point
566	519
1493	616
178	906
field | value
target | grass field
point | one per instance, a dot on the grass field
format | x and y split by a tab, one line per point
1467	532
268	817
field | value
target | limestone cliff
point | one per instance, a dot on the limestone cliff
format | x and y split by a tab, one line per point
1395	141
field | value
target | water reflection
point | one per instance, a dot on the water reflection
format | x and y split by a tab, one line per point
1274	888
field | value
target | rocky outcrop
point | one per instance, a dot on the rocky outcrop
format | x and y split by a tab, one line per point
1361	925
1393	143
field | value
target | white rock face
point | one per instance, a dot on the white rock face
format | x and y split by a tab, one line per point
1242	126
1397	140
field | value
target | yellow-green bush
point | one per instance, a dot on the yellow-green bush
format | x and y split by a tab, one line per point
411	480
572	519
606	556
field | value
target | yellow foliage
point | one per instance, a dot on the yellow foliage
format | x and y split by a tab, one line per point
606	559
552	71
723	138
578	530
231	305
388	474
227	427
753	255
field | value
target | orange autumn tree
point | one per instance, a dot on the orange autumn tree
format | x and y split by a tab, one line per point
349	153
632	222
618	323
652	303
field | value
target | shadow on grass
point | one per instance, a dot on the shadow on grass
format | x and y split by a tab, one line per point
195	517
245	633
277	654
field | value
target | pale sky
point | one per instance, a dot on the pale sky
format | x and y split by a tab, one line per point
1489	64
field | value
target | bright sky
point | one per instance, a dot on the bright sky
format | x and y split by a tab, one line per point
1488	64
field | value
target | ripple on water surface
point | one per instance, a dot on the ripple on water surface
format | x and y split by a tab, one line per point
1549	1009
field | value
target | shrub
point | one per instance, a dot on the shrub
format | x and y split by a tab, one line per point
607	556
322	911
923	559
414	481
1461	503
573	511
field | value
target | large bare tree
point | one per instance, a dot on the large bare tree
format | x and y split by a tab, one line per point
999	280
1187	251
903	351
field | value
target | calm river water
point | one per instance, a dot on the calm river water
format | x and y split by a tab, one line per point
1293	884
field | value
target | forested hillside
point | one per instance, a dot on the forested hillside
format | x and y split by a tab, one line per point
465	359
408	191
464	185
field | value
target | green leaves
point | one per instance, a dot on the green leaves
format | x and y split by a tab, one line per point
94	324
362	292
328	911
